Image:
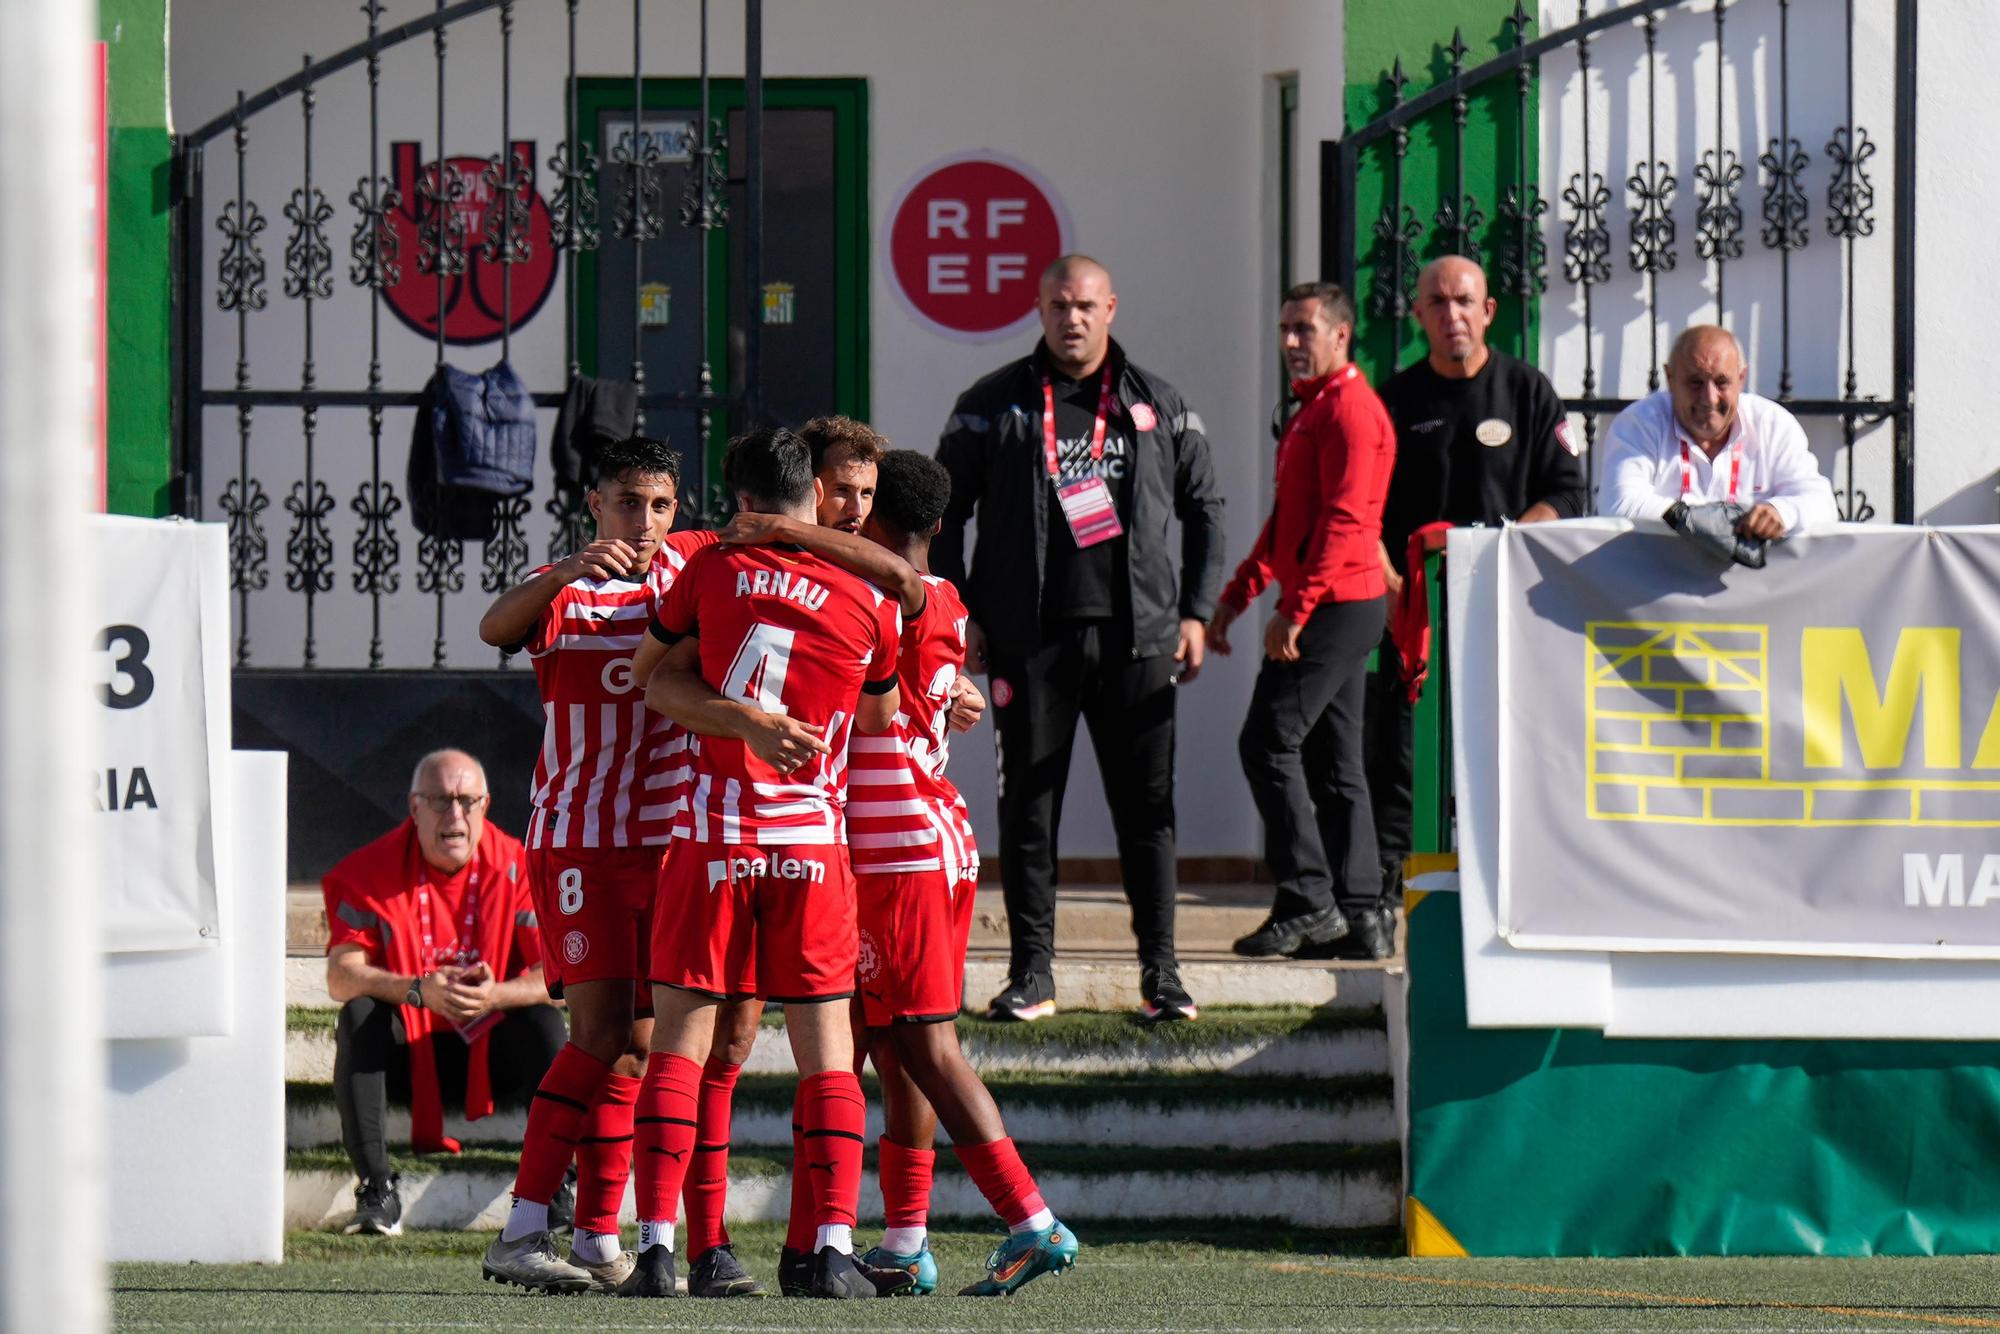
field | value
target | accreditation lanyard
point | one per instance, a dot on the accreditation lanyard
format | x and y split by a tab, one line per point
1086	503
1735	468
469	918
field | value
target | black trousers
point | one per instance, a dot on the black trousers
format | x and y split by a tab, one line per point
371	1065
1389	748
1301	751
1087	669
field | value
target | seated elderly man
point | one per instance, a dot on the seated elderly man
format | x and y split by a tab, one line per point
1701	443
435	959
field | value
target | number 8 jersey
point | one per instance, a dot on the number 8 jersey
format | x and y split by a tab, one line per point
790	633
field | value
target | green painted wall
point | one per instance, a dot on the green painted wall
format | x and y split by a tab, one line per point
1566	1142
1378	33
138	346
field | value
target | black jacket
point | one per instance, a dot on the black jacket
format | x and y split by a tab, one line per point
992	447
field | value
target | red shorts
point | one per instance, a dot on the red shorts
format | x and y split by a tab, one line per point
737	920
595	907
914	929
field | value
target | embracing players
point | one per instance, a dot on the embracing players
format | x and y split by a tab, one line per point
917	871
774	656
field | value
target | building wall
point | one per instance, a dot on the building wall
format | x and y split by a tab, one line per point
1149	118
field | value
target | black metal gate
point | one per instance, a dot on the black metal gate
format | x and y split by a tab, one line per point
1516	243
587	199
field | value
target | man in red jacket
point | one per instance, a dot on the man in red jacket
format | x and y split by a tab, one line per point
1301	744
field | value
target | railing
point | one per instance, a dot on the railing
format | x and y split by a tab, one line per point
1516	244
479	231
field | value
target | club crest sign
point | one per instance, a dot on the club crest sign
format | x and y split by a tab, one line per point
475	306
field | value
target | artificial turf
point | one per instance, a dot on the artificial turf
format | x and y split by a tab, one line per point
1126	1281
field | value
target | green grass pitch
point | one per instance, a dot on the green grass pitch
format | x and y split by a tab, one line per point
1124	1283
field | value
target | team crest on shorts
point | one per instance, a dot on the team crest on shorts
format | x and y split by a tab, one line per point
575	946
868	962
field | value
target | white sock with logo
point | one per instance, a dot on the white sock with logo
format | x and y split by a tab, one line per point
525	1219
593	1248
656	1232
837	1235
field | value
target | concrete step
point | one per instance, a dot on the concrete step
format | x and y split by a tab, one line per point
1084	980
1088	917
1309	1185
1165	1112
1292	1040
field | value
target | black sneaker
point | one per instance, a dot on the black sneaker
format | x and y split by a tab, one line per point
1162	995
652	1275
378	1208
1026	999
795	1272
838	1275
1371	936
1283	935
562	1205
716	1272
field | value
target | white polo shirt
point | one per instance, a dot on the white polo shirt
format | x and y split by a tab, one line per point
1650	462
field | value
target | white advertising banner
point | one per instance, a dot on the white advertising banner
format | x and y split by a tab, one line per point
162	675
1692	757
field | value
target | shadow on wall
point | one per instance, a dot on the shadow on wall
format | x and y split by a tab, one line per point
1977	502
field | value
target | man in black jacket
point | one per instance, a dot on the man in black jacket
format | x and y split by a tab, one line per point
1075	460
1481	438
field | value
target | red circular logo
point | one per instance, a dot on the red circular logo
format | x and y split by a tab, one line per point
474	300
968	242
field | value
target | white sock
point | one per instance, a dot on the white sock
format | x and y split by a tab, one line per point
1035	1222
594	1248
837	1235
525	1219
903	1240
656	1232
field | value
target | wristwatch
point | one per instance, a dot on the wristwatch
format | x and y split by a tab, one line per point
415	995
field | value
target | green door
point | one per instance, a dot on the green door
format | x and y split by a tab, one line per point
814	300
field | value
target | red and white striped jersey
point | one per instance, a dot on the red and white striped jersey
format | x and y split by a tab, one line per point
903	814
793	634
597	778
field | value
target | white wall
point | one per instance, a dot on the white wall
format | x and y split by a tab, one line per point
1147	117
1957	42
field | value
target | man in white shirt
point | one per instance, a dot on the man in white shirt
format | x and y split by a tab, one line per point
1702	440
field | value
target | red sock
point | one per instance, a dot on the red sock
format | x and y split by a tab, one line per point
707	1188
604	1155
665	1128
906	1182
799	1230
1003	1179
555	1121
836	1120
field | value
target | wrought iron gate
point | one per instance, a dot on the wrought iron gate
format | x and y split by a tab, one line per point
433	202
1523	230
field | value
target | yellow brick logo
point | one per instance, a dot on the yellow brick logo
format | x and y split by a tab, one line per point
1678	720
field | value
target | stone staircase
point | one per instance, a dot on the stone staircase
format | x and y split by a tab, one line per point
1277	1104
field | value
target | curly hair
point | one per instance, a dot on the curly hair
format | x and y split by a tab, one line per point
911	492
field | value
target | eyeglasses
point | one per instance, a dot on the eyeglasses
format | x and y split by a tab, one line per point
442	802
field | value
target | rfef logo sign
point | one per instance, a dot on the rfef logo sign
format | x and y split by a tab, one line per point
473	299
968	240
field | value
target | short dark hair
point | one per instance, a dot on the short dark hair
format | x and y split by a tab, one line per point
911	492
863	442
642	454
1332	298
770	465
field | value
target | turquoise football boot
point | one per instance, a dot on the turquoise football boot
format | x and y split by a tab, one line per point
1025	1256
921	1267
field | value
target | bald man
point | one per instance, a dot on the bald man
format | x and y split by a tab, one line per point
434	957
1703	440
1075	461
1480	439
